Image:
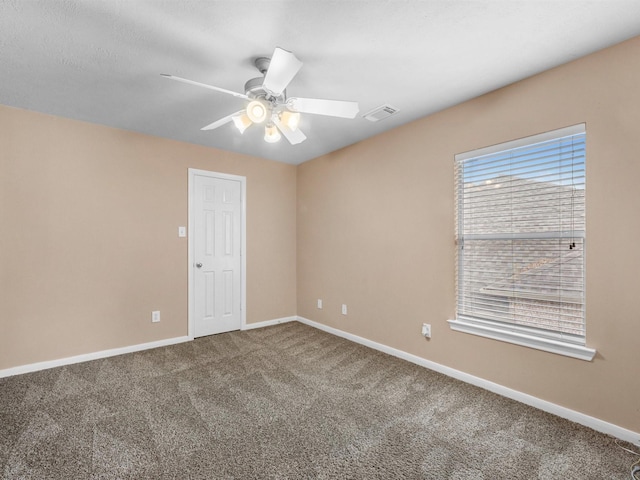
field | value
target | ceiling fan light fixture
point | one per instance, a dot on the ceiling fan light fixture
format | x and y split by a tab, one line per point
242	122
271	134
257	111
290	119
267	103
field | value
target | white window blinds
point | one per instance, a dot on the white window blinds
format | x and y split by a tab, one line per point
521	235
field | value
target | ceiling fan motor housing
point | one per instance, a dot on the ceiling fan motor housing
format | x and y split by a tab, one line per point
254	89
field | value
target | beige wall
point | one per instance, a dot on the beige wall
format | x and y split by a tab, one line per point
376	231
89	246
88	236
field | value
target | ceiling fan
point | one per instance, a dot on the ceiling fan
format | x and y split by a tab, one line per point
268	104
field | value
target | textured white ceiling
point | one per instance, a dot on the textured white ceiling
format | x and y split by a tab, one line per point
100	60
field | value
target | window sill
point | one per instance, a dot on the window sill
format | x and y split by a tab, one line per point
548	345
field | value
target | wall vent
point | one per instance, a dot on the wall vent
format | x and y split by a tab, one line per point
380	113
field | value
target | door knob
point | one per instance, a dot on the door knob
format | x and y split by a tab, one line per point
199	265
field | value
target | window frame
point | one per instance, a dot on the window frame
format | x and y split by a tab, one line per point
549	341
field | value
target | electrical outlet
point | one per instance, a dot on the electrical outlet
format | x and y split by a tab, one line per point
426	330
344	309
155	316
320	303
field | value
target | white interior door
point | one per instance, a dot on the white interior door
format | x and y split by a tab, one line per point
216	253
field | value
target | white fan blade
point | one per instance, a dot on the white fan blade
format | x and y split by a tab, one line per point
333	108
283	67
294	136
222	121
210	87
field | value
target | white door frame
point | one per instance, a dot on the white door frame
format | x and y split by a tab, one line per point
243	244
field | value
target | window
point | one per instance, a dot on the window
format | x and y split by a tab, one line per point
521	242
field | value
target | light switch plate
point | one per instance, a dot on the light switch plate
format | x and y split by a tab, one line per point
182	231
426	330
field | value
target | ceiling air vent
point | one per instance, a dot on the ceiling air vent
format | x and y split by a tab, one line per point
380	113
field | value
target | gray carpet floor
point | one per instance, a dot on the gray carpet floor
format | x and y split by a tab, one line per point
282	402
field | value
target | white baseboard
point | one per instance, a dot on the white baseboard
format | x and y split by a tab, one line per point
34	367
574	416
268	323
